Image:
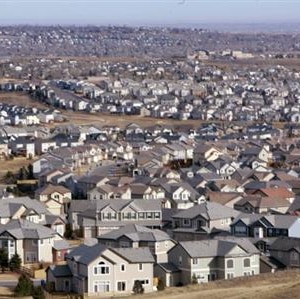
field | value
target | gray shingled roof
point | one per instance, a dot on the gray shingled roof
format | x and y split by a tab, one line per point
135	255
207	248
60	270
137	233
86	254
208	210
23	229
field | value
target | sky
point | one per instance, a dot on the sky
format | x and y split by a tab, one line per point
147	12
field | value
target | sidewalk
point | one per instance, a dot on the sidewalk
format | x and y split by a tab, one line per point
9	276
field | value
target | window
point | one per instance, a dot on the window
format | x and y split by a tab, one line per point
230	275
248	273
246	263
195	261
121	287
42	242
157	215
149	215
34	242
229	264
101	286
141	215
101	268
122	267
140	267
186	222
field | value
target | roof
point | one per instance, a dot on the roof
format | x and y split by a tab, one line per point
86	254
135	255
23	229
137	233
208	210
169	267
60	270
208	248
286	244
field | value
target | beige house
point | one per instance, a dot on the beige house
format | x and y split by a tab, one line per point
136	236
101	271
201	221
54	197
33	242
209	260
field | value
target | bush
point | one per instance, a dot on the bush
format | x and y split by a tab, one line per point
38	293
15	262
24	286
3	259
160	285
138	287
194	279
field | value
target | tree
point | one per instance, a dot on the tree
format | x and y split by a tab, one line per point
3	259
15	262
160	285
194	279
24	286
9	177
138	287
38	293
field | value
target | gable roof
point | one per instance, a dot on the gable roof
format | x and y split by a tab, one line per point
208	210
136	233
23	229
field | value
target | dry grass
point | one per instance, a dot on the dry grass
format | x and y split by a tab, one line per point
21	99
266	286
13	165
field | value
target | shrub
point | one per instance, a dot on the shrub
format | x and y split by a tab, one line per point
24	286
15	262
138	287
160	285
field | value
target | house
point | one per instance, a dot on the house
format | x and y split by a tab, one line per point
262	204
33	242
266	226
107	191
103	216
287	251
101	271
55	198
209	260
202	220
135	236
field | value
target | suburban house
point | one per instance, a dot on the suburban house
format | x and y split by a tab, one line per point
286	251
135	236
266	226
208	260
262	204
100	271
33	242
55	198
201	221
97	217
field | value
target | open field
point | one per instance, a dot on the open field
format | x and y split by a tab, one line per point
13	165
281	285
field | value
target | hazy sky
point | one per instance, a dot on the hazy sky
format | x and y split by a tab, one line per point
147	12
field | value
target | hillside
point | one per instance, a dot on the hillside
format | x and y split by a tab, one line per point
285	284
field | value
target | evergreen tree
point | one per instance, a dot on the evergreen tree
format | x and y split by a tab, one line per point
15	262
24	286
3	259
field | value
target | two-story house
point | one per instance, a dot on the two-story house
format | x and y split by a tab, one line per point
209	260
135	236
106	215
101	271
203	220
